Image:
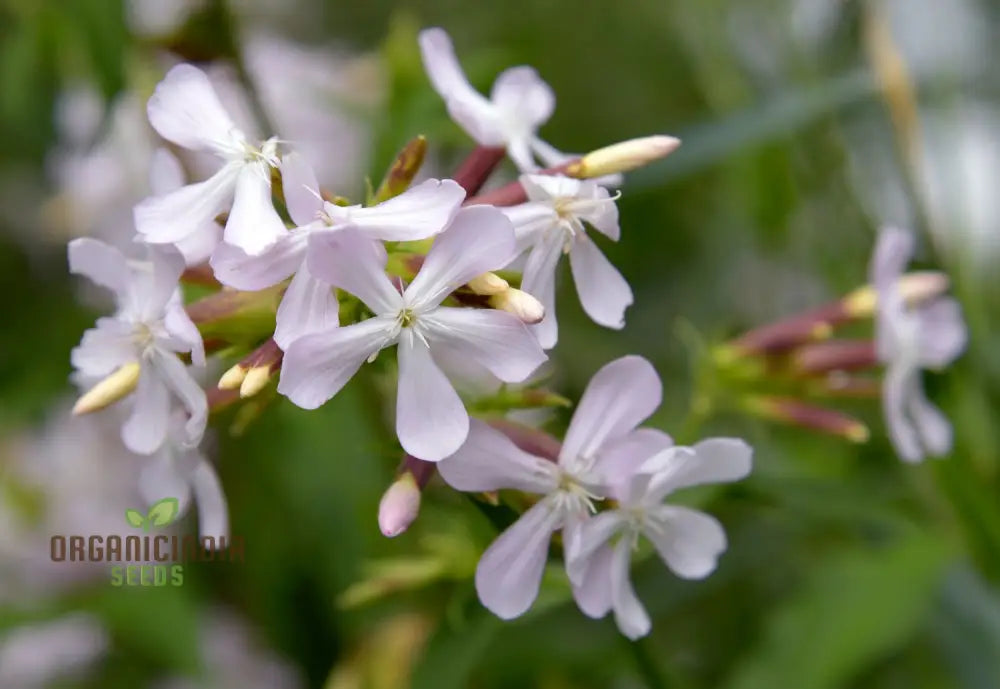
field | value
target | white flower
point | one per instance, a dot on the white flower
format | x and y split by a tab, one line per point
688	541
519	103
184	109
177	471
601	436
166	175
149	328
930	336
431	420
551	224
309	304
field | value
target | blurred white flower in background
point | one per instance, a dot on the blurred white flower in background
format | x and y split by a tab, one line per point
38	654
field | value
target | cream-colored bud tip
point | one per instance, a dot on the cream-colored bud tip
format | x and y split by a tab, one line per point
109	390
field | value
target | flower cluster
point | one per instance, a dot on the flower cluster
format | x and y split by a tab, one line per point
462	286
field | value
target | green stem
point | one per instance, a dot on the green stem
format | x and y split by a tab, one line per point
645	663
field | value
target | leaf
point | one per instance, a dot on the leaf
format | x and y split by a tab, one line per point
164	511
135	518
856	608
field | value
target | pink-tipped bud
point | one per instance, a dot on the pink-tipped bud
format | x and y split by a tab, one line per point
399	506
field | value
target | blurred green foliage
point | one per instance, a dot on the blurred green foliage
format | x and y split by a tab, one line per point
846	567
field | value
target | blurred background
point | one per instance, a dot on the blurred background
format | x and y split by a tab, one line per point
806	124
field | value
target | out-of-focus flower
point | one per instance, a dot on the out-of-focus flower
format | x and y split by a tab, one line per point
309	304
185	109
599	447
519	103
551	224
37	655
137	348
908	340
431	420
688	541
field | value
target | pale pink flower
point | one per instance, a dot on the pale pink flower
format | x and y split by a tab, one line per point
431	420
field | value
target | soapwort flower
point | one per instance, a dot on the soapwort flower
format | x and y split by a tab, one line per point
431	421
309	304
519	103
688	541
185	109
137	348
928	336
552	223
602	434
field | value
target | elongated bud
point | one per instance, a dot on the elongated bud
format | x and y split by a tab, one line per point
809	326
402	171
843	385
109	390
836	355
233	378
519	303
915	288
477	168
797	413
399	506
255	381
622	157
232	315
488	284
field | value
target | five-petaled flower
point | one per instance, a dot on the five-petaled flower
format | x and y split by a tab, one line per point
184	109
309	304
431	420
908	339
551	224
146	333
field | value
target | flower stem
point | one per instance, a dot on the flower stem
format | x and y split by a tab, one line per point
645	663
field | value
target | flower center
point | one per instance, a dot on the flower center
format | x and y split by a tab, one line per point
573	496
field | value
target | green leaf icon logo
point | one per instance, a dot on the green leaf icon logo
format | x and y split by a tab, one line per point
135	518
162	512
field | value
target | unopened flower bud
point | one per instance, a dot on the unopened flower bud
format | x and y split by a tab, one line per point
804	415
233	378
915	288
255	380
404	168
488	284
109	390
836	355
399	505
622	157
519	303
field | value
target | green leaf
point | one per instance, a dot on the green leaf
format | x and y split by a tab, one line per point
856	608
135	518
164	511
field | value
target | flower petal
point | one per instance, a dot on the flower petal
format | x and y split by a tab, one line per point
180	326
165	172
100	263
156	285
688	541
494	339
603	291
177	377
593	533
253	223
301	189
619	397
185	109
530	221
235	268
417	213
308	306
489	460
173	216
161	477
317	366
593	592
347	259
715	460
104	348
943	335
620	458
146	427
213	513
930	424
523	97
539	280
893	250
510	571
897	387
630	615
431	420
480	239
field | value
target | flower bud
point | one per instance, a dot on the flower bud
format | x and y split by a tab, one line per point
519	303
255	380
622	157
797	413
404	168
835	355
399	505
916	288
488	284
109	390
233	378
